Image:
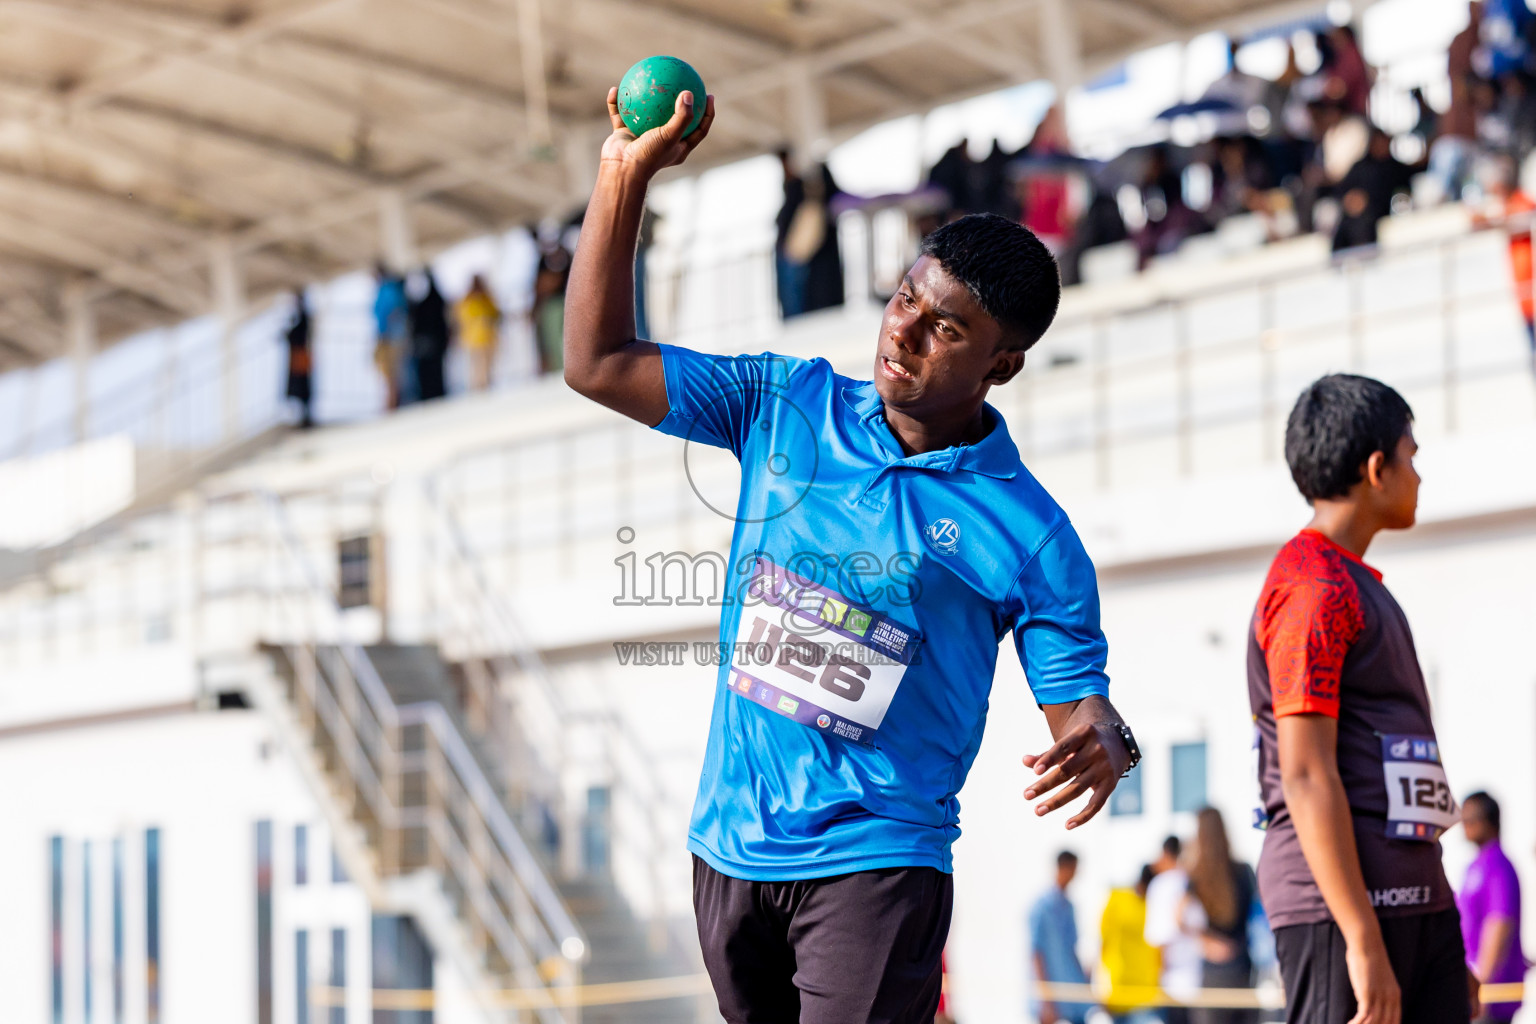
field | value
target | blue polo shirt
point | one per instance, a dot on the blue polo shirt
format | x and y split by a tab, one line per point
867	594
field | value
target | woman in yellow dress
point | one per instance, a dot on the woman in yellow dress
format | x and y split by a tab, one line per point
479	328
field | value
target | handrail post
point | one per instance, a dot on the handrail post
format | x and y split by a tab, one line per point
1354	280
1448	334
1101	424
391	826
1269	398
435	811
1184	389
305	672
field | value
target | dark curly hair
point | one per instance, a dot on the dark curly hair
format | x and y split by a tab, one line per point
1008	271
1336	425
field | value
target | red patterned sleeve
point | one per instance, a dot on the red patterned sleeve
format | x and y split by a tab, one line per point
1307	618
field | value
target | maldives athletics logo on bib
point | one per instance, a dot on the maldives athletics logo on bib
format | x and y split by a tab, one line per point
944	536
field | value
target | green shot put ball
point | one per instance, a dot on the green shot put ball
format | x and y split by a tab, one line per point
648	93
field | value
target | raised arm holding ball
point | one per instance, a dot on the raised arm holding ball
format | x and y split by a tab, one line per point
888	538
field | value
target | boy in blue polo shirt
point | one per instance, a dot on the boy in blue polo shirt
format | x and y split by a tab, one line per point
887	539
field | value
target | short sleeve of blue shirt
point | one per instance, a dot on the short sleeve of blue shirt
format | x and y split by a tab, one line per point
1056	625
715	400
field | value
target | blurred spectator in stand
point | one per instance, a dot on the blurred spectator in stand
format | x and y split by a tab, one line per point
642	250
1175	926
1168	859
1504	40
1340	140
956	174
479	321
1285	92
1169	219
429	339
1053	945
1505	113
1222	890
1450	155
808	249
391	319
1131	965
1349	77
1426	119
1365	194
806	256
1243	91
1515	210
1494	132
1101	224
1517	104
1490	906
549	303
994	188
300	358
789	275
1241	177
1344	137
1044	187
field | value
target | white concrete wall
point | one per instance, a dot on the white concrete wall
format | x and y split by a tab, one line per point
203	780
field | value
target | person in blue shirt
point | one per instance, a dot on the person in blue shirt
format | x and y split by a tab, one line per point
887	540
392	336
1053	946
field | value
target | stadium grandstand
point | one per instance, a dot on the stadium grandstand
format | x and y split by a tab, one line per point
400	718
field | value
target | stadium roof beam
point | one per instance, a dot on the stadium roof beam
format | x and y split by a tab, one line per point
164	33
690	30
214	35
54	114
51	191
259	145
279	123
938	29
1135	16
1061	43
33	336
531	191
88	257
876	44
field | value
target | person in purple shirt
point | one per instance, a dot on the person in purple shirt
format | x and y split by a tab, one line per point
1490	906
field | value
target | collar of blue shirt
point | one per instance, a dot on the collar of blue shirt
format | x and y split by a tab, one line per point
994	455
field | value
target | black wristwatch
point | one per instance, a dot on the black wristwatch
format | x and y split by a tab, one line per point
1130	747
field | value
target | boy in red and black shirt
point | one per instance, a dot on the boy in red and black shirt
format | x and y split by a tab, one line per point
1349	768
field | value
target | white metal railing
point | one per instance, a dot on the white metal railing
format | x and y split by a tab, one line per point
409	779
1157	391
563	740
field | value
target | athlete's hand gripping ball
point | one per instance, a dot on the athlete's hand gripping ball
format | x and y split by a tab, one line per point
661	147
1090	757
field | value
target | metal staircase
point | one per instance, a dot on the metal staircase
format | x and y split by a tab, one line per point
419	824
620	946
551	734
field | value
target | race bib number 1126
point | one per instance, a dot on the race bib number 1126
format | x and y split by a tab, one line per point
811	654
